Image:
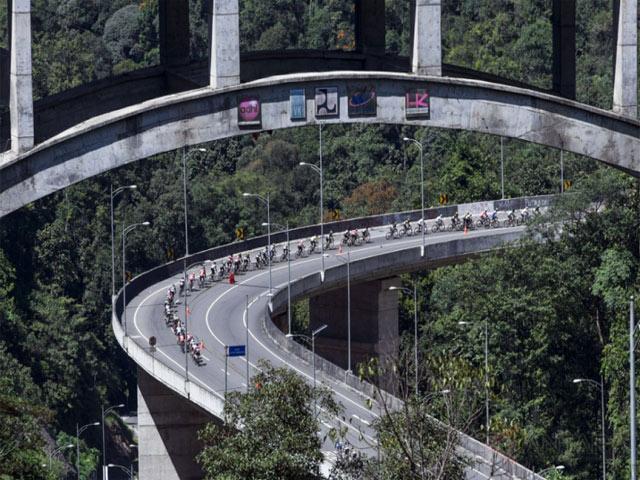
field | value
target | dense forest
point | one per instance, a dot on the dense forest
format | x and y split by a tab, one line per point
556	310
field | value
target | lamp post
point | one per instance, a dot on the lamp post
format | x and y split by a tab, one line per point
113	195
424	226
288	268
502	166
348	263
599	385
319	171
415	327
266	201
486	373
124	272
128	471
58	450
104	445
632	388
79	431
557	468
185	156
313	354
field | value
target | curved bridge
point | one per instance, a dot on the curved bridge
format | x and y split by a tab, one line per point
223	314
204	115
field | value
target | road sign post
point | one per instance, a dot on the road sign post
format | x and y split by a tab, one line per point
231	351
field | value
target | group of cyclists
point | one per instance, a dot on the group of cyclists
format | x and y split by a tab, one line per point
486	219
185	339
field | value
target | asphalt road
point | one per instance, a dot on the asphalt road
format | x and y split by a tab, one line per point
220	312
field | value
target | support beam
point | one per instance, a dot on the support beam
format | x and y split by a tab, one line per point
625	83
225	43
370	27
564	48
374	322
427	38
20	80
173	16
168	427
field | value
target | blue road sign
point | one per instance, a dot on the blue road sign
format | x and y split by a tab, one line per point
236	351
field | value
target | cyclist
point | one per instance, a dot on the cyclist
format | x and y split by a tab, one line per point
467	220
455	220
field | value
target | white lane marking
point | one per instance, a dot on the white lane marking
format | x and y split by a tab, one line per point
227	373
367	423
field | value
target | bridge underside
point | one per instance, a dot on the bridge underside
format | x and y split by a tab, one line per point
206	115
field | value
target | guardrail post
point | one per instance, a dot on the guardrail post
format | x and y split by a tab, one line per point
225	43
20	79
427	38
625	83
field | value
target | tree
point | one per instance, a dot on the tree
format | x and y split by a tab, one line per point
269	432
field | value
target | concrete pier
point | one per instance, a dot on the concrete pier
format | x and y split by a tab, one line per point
20	79
225	43
374	322
168	427
625	84
427	38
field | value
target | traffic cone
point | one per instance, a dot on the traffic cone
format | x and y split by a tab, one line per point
232	278
465	229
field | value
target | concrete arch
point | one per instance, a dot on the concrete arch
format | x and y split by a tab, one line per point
204	115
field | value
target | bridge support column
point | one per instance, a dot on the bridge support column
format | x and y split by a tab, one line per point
370	29
20	79
625	84
427	38
564	48
167	432
225	43
374	322
173	16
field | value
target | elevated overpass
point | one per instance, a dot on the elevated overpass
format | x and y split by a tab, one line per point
223	314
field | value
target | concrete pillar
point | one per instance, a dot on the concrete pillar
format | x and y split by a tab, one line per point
625	84
563	21
225	43
374	322
167	432
427	38
173	17
20	79
370	26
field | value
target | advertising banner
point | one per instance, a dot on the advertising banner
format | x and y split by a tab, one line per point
327	102
363	101
249	112
417	104
298	106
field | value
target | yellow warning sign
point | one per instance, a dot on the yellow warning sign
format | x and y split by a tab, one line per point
239	233
568	184
443	199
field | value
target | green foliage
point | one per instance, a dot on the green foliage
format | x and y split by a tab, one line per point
248	444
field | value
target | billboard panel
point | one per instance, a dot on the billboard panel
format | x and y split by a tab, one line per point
297	102
249	112
417	104
327	102
363	101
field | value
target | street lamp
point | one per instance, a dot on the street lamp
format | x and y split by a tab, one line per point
128	471
558	468
58	450
424	225
104	445
319	171
486	372
348	263
632	387
313	354
415	326
113	195
79	431
266	201
288	268
124	279
184	185
599	385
